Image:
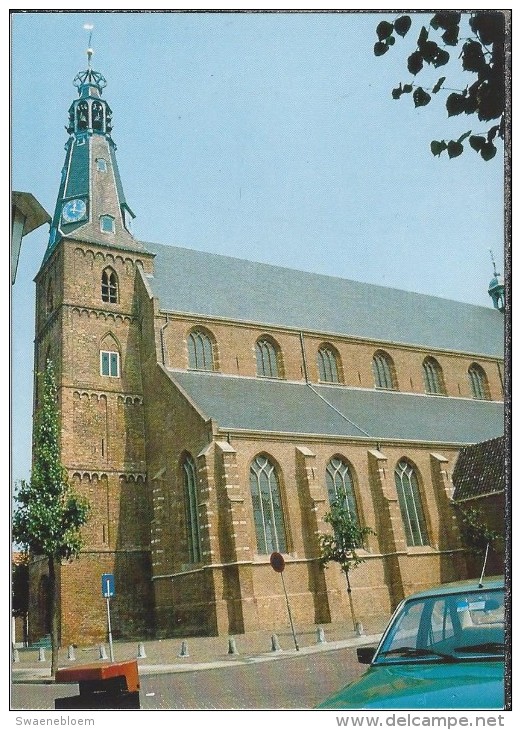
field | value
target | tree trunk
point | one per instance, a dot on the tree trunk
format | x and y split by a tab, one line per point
53	609
351	606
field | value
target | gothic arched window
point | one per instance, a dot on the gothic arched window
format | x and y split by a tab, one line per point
340	485
478	382
191	510
109	357
97	116
433	377
109	286
200	351
409	499
269	363
267	507
383	371
328	364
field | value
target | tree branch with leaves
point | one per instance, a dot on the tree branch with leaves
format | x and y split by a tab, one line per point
481	50
342	544
48	515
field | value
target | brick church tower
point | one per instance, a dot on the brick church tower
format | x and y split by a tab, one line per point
87	323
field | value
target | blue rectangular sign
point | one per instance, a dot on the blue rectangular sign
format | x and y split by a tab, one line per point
107	585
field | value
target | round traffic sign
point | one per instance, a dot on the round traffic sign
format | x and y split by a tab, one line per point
277	562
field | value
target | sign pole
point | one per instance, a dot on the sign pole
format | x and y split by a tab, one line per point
111	649
289	612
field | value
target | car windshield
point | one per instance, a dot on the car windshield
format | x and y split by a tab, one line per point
446	628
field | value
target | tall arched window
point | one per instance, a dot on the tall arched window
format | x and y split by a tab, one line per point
109	286
410	502
340	485
433	377
109	357
328	359
200	351
267	507
268	358
191	511
478	382
383	370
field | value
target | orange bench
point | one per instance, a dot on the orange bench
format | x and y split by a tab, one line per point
102	686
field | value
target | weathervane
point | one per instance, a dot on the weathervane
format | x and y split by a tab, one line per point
493	262
89	76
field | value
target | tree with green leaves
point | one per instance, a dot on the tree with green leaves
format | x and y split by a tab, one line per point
478	41
48	515
341	545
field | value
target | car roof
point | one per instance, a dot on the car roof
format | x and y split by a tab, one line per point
462	586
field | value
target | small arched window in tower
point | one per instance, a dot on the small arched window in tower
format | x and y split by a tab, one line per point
340	486
200	350
269	358
97	116
433	377
383	371
409	499
268	515
109	357
328	364
101	164
109	286
191	510
107	224
82	112
478	382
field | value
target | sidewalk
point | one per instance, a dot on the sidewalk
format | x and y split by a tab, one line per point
189	654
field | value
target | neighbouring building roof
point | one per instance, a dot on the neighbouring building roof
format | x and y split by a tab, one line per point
480	470
195	282
266	405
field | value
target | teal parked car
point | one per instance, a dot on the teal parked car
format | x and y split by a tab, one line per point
443	649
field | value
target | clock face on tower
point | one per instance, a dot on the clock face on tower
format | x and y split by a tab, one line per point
74	210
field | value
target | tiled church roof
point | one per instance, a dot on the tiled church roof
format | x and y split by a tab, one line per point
480	470
196	282
261	404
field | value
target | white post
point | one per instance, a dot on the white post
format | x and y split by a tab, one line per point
111	649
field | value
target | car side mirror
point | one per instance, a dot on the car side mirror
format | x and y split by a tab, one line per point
365	654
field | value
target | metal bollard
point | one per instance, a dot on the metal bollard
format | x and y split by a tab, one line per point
184	649
275	646
141	651
41	655
359	629
71	656
321	638
232	646
16	655
102	652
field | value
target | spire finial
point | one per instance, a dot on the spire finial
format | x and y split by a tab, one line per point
90	28
493	262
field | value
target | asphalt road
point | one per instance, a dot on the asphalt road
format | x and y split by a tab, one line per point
297	682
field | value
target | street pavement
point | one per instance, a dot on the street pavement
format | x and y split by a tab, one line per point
188	654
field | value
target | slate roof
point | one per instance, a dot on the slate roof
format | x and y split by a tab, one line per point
480	470
267	405
196	282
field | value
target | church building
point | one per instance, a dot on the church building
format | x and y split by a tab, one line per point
212	408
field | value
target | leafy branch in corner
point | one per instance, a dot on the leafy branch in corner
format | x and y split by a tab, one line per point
482	54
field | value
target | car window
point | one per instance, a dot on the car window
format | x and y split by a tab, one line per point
456	626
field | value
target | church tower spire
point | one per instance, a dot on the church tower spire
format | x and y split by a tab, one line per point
91	205
496	288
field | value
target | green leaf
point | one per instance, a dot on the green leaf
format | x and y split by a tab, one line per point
472	57
402	25
451	36
396	93
455	104
439	83
420	97
384	30
407	88
380	48
390	41
477	142
429	51
415	63
438	147
488	151
441	58
454	149
464	136
422	38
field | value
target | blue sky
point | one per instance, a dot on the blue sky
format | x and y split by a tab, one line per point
267	136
